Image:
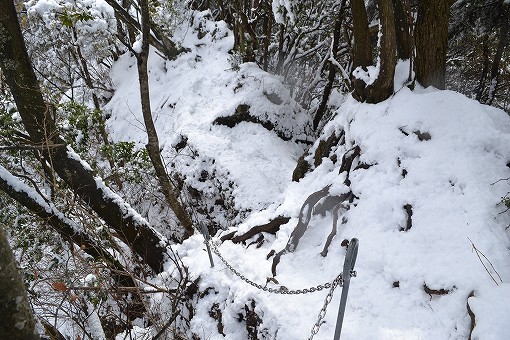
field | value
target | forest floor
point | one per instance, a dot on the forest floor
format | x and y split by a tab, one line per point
427	199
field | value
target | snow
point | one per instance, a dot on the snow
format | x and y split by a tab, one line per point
368	76
204	87
451	182
282	9
487	302
90	279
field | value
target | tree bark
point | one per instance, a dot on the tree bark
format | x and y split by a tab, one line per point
382	88
17	316
502	45
362	50
37	119
402	30
153	140
485	71
432	42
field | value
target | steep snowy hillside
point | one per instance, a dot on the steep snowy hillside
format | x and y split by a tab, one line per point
416	178
196	101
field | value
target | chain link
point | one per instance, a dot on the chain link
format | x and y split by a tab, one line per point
322	313
282	290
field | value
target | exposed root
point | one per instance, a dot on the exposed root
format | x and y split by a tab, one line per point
325	146
471	315
215	313
332	234
347	160
431	291
272	227
253	321
323	150
301	169
310	205
242	114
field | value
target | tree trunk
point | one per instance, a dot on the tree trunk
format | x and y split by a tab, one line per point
502	45
485	71
267	28
382	88
153	140
17	315
362	51
65	227
432	42
281	52
402	30
37	119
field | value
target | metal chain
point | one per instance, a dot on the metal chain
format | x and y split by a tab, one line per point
338	281
322	313
282	290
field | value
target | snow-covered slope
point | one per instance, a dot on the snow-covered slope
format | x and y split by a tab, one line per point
434	153
192	100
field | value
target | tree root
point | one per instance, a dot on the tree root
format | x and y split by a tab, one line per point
242	114
311	202
431	291
215	313
271	227
323	150
347	160
253	321
471	315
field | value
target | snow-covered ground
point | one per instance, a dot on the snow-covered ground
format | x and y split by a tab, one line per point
437	152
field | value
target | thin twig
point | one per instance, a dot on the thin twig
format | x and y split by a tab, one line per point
31	147
124	289
478	252
501	179
168	323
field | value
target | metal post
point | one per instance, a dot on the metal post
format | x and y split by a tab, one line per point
207	238
350	260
